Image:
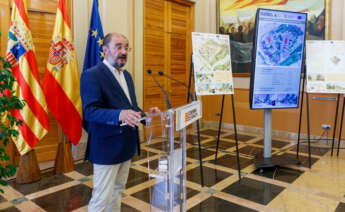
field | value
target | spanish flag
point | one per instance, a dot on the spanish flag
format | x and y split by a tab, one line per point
20	53
61	82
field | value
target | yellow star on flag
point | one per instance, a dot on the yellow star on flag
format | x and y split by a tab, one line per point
94	33
102	54
100	42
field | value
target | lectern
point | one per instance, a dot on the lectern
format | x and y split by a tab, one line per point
167	170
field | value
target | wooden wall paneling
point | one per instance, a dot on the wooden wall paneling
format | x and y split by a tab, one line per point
173	55
179	59
154	52
4	24
41	17
46	6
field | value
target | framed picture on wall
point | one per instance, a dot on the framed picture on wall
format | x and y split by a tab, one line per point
237	17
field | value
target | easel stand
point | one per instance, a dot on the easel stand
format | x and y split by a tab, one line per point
308	125
197	123
235	132
300	121
335	122
341	128
219	128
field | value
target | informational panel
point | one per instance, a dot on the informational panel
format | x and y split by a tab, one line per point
278	59
212	64
325	66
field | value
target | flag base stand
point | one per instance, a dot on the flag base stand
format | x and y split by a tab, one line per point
28	170
64	161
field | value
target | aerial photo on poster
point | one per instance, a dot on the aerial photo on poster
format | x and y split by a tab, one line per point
325	66
212	64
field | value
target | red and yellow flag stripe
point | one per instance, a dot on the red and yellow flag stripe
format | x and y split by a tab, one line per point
239	4
61	83
20	53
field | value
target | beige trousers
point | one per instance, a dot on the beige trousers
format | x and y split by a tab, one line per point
108	183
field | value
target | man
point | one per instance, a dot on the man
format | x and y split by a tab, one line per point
108	99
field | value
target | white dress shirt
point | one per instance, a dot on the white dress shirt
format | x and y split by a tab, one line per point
120	77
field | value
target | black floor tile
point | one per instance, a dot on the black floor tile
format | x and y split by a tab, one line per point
303	159
85	168
211	132
275	143
194	153
240	137
253	190
230	161
193	139
158	193
214	204
251	151
136	177
11	209
280	173
48	180
314	150
65	200
211	176
127	208
340	208
222	144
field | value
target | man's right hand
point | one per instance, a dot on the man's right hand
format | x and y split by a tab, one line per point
130	117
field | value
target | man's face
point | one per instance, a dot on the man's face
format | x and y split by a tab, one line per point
116	51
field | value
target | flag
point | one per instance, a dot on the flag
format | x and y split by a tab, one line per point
20	53
61	81
94	53
239	4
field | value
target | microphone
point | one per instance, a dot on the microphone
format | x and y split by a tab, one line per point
160	86
178	81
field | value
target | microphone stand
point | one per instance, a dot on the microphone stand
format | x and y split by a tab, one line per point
178	81
160	86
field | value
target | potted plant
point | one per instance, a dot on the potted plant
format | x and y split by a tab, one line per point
8	103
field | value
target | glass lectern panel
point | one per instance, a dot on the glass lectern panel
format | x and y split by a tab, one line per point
167	166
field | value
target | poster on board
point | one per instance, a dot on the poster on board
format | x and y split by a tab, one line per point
212	64
277	59
325	62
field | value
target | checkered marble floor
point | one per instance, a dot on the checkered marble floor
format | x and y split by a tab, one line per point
287	188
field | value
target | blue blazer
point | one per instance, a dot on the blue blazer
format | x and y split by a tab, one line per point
103	99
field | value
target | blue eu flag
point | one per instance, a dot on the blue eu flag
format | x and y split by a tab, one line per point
94	53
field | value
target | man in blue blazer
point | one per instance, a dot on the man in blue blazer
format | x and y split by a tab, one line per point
108	99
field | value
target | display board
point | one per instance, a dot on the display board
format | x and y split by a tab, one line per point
212	64
277	59
325	66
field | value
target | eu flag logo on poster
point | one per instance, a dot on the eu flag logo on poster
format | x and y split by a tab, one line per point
94	53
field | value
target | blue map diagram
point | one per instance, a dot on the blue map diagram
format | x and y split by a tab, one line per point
281	45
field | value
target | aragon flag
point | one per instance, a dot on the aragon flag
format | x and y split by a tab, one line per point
61	82
20	53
